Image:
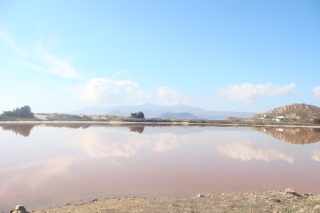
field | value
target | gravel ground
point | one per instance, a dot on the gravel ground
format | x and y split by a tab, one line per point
287	201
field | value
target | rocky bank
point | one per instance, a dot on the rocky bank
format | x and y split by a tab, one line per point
273	201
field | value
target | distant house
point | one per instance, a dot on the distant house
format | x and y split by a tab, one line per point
279	118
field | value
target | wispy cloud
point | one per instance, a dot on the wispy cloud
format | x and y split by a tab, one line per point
113	92
246	151
248	92
169	96
120	72
316	92
12	45
39	59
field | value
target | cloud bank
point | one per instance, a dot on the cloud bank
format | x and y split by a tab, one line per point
167	96
248	92
108	91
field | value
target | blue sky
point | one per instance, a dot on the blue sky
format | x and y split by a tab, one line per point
58	56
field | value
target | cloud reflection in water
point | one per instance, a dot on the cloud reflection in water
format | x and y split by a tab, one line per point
246	151
119	145
316	155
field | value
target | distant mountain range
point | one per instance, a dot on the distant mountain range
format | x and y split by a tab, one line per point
158	111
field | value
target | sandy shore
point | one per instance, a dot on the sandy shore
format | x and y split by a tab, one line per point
286	201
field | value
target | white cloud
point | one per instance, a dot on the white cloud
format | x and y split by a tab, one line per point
169	96
246	151
316	155
316	92
248	91
108	91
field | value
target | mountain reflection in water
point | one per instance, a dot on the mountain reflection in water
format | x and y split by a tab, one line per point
64	162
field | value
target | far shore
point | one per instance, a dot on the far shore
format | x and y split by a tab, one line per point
166	123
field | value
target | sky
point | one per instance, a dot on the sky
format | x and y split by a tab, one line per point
239	55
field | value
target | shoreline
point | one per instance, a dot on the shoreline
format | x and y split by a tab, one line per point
270	201
148	123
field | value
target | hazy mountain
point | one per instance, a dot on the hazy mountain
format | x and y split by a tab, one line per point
154	111
178	115
117	113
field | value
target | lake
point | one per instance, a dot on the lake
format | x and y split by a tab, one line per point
51	164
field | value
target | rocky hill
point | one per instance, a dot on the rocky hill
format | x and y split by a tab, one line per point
292	112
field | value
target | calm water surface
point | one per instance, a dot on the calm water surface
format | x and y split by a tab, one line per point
48	164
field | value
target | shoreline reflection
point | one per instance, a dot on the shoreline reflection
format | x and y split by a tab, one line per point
295	135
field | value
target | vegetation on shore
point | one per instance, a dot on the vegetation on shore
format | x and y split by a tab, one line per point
22	112
137	115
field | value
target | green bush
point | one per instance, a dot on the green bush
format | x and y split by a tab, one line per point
23	112
137	115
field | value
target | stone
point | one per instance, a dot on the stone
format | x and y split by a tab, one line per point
200	195
19	209
289	190
316	207
292	192
276	200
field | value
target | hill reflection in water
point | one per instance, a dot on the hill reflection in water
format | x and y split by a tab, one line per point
292	135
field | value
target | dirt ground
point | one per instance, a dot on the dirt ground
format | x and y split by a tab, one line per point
287	201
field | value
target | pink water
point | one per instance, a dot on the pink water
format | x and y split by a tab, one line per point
44	166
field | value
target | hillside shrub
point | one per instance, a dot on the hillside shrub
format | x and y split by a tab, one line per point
316	121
